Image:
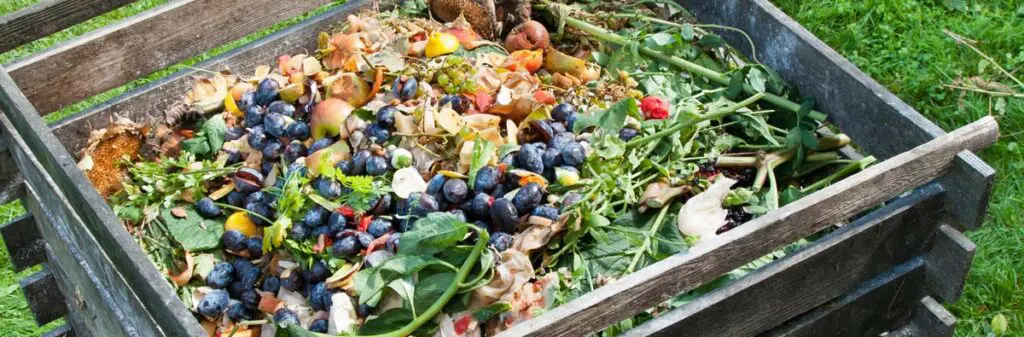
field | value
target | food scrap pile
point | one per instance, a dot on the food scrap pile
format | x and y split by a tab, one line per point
412	177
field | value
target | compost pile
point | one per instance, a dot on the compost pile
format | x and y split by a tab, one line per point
457	177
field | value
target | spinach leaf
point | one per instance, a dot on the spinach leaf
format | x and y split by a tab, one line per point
388	321
432	234
192	231
611	120
210	137
611	257
370	282
429	290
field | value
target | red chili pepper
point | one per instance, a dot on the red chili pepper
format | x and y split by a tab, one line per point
654	107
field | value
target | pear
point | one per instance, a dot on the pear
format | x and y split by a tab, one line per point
329	117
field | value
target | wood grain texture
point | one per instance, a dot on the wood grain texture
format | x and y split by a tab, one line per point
877	121
111	259
43	297
949	264
47	17
140	45
879	305
716	256
811	277
930	320
92	308
60	331
24	244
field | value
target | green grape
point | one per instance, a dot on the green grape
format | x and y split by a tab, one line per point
456	76
443	79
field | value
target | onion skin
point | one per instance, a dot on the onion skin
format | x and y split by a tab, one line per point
529	35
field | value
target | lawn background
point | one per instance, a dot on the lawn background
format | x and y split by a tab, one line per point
899	43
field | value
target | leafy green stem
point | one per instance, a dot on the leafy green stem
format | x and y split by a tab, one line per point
655	227
719	113
694	68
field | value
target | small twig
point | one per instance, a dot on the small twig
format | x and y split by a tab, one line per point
961	40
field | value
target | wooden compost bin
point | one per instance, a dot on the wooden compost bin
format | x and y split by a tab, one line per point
885	270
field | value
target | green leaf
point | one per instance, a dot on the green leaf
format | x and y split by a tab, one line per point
756	79
759	125
430	289
661	39
482	150
197	145
736	84
491	311
215	129
192	231
404	288
366	114
737	196
805	108
388	321
610	146
370	282
790	194
432	234
687	32
611	120
274	235
612	257
323	202
711	41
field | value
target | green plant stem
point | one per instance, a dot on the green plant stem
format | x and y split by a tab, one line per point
843	172
243	210
753	48
694	68
685	124
448	294
655	227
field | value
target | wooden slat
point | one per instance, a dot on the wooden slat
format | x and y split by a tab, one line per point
949	264
877	306
97	247
930	320
806	279
47	17
878	121
10	180
145	43
60	331
43	297
92	289
706	261
24	244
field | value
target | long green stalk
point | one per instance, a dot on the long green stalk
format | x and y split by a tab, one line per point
694	68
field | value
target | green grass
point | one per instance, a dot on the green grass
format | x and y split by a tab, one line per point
900	43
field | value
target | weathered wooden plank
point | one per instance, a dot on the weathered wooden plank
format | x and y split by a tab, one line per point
47	17
716	256
949	263
10	180
806	279
877	306
60	331
145	43
87	297
153	99
857	104
114	274
24	243
930	320
43	297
